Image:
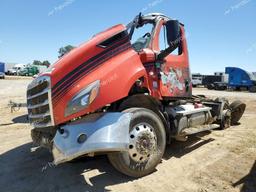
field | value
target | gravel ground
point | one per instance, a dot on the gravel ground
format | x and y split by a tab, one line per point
212	161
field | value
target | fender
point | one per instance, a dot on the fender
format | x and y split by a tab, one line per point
148	102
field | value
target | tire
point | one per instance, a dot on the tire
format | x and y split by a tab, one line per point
135	162
237	111
252	89
225	120
210	86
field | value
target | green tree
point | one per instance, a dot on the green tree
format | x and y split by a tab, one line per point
65	50
36	62
46	63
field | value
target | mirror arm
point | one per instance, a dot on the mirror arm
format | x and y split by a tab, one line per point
166	52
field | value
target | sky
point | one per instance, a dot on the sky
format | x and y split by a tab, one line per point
219	33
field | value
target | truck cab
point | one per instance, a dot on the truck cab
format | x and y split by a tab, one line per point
239	79
30	70
16	69
124	94
172	75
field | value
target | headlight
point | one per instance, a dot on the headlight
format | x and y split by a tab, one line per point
83	99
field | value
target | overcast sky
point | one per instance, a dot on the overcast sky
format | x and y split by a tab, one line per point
220	33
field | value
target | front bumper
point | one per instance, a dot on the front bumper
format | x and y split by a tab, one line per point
102	132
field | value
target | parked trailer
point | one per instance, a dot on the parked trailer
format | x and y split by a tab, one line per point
2	70
217	81
41	68
209	80
9	66
197	79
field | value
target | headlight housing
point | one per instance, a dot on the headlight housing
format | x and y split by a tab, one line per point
83	99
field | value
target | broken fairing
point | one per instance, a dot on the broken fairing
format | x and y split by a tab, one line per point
95	133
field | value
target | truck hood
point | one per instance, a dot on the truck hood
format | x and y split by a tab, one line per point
103	60
65	67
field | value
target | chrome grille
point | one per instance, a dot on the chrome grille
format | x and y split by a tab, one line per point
39	102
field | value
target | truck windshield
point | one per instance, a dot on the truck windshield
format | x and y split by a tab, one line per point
252	76
141	36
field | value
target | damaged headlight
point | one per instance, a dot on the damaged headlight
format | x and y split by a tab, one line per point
83	99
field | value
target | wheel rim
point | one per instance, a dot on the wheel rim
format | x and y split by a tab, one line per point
143	142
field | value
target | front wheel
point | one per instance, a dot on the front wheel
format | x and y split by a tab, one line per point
147	140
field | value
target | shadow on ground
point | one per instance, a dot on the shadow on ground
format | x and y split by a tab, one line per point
249	181
178	149
20	119
23	170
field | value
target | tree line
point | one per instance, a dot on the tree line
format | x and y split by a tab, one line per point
62	51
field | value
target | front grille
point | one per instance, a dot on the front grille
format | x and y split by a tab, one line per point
38	102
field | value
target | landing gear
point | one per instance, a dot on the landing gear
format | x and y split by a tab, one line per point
146	147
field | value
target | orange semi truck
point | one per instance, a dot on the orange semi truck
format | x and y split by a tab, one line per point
123	97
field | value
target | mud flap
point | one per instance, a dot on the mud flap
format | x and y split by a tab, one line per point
95	133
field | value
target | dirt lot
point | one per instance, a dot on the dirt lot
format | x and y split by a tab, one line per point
213	161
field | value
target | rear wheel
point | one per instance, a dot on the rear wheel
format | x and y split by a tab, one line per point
210	86
237	110
225	113
146	147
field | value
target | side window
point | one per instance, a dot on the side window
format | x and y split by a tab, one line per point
163	44
141	31
162	39
141	37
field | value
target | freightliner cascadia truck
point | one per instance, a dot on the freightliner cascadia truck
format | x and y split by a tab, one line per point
124	99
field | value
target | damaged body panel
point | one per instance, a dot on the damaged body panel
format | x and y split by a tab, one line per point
95	133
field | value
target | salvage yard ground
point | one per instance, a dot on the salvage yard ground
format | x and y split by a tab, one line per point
212	161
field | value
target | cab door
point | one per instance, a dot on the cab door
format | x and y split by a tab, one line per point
174	72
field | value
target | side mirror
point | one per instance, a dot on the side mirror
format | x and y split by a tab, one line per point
173	33
173	38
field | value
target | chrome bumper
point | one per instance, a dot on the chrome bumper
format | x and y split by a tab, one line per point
104	132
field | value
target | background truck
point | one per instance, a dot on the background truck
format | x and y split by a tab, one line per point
122	95
16	69
233	79
2	70
29	71
32	70
241	79
217	81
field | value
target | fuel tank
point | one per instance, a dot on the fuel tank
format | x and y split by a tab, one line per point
107	58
